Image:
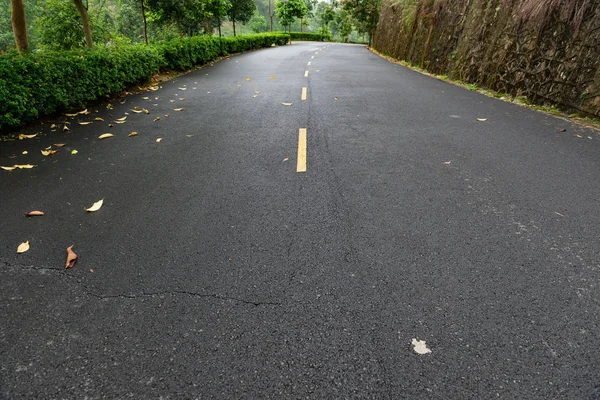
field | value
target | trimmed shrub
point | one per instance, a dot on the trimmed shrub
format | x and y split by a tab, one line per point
38	84
309	36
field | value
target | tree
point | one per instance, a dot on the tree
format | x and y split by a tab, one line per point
258	23
288	11
241	11
190	16
85	21
19	25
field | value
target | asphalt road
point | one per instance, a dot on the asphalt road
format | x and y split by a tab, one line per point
215	269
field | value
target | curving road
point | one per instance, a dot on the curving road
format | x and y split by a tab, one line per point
234	259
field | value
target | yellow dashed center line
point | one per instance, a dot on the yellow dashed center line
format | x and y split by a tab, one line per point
301	165
304	91
306	74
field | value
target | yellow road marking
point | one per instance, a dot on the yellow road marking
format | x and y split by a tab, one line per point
306	74
301	165
308	63
304	91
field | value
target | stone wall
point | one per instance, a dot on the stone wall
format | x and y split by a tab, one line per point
546	50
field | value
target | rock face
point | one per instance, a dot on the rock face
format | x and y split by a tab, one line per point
546	50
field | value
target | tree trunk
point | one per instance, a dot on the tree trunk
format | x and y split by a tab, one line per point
87	30
144	18
233	20
19	25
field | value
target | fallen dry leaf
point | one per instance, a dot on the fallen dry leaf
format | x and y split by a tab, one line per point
84	123
111	126
73	152
23	247
158	140
447	162
105	135
25	152
59	144
84	112
48	152
53	126
34	214
337	98
247	79
172	101
98	119
65	128
71	257
71	115
23	136
178	109
420	346
133	134
181	98
145	98
157	119
285	159
182	88
95	207
272	76
120	122
146	111
8	168
287	104
24	166
579	136
137	111
121	119
109	106
481	119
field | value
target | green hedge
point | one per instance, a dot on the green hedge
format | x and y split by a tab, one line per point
39	84
309	36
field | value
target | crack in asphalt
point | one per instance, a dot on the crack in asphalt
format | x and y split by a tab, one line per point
89	292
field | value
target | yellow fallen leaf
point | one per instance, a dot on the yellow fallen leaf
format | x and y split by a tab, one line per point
133	134
158	140
34	214
84	112
121	119
157	119
98	119
182	88
145	98
59	144
189	135
23	136
48	148
65	128
105	135
178	109
24	166
53	126
48	152
247	79
23	247
111	126
239	85
481	119
287	104
84	123
71	115
272	76
95	207
8	168
172	101
25	152
181	98
137	111
73	152
120	122
109	106
71	257
146	111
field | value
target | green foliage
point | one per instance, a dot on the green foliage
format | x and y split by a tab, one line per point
258	23
289	10
41	83
59	25
241	10
310	36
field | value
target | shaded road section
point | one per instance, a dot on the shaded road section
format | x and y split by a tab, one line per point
215	269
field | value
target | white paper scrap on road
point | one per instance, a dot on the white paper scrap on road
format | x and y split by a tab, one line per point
420	346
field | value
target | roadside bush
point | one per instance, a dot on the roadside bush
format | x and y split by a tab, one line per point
38	84
310	36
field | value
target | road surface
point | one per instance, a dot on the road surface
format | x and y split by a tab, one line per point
234	259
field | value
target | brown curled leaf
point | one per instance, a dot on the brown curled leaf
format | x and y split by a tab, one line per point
71	257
